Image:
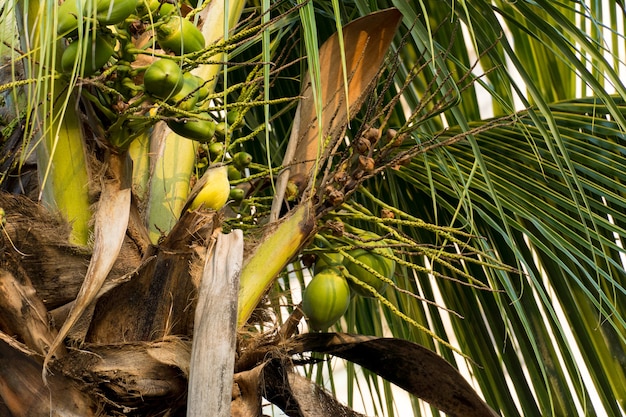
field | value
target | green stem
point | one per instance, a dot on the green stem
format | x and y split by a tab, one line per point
169	184
271	256
63	170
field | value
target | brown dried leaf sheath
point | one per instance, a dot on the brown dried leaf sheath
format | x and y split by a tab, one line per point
366	43
412	367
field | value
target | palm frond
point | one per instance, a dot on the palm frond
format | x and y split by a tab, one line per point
497	183
544	193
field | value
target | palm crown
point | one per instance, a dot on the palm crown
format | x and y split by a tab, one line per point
471	151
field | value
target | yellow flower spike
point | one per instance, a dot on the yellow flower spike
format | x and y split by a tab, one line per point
211	191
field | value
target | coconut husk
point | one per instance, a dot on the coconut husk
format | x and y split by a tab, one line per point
160	298
38	241
24	393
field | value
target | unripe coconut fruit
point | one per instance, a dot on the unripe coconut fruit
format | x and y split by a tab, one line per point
112	12
154	9
216	149
107	12
188	95
237	195
328	260
233	173
200	129
97	52
163	78
179	35
325	299
242	159
379	262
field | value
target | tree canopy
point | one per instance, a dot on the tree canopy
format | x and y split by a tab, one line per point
456	165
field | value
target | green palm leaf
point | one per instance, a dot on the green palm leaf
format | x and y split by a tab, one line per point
583	276
545	193
505	203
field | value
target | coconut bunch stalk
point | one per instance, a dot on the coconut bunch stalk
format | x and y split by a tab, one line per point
169	197
175	155
370	37
139	152
55	129
169	181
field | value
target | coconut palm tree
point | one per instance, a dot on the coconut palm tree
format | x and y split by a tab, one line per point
208	206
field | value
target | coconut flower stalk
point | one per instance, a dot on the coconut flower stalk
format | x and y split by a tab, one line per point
277	249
